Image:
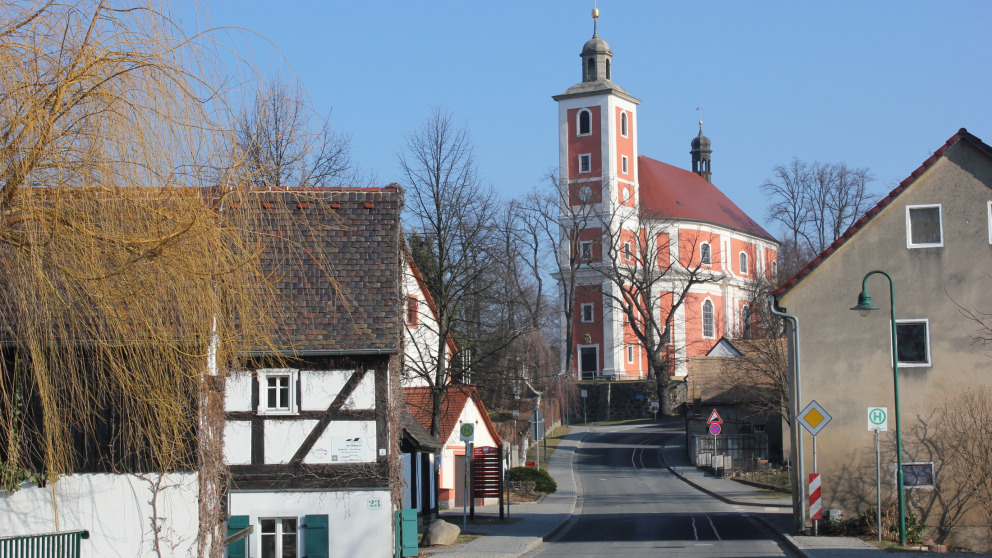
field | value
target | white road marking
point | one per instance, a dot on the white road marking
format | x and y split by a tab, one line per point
714	528
694	532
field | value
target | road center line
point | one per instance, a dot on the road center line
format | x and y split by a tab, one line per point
708	518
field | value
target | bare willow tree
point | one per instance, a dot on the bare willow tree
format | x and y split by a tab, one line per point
127	288
284	144
814	203
651	283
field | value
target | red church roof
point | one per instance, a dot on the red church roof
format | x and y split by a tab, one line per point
675	193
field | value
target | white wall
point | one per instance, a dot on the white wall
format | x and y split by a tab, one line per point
355	527
115	509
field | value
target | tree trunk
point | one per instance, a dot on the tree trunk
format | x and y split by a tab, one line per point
212	469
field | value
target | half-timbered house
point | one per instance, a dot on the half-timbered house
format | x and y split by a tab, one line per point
312	437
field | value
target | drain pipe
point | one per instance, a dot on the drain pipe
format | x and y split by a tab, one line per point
798	503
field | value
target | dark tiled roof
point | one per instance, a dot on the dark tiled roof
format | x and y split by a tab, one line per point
668	191
962	135
418	400
334	257
415	436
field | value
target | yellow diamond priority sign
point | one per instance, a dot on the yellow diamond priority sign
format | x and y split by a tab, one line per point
814	418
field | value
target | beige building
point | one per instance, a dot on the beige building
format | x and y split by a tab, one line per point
933	235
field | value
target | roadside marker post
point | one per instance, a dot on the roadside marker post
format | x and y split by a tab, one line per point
878	421
815	510
814	418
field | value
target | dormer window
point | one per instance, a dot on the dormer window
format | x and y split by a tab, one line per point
623	123
585	122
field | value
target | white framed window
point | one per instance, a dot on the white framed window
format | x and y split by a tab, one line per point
918	474
277	391
279	537
990	221
705	254
774	271
745	319
623	124
623	164
588	314
584	122
627	254
708	329
913	342
630	354
585	162
924	226
585	250
743	262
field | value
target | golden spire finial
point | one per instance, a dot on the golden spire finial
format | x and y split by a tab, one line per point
595	18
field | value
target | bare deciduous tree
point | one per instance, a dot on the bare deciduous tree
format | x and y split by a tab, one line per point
281	147
815	203
651	282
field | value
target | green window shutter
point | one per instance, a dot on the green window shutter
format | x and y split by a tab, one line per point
316	542
409	532
237	549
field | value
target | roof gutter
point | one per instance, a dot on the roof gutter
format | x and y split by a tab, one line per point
320	353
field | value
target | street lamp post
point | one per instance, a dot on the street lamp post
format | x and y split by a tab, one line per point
864	307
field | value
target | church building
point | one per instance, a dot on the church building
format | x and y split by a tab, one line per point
648	230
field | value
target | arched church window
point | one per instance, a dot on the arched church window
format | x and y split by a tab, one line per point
705	254
743	258
623	123
585	122
708	319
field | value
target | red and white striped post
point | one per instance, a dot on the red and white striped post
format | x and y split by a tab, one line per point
815	510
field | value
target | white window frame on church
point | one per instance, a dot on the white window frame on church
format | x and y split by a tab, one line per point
630	354
742	262
705	254
623	164
585	250
708	320
578	123
585	162
587	313
623	124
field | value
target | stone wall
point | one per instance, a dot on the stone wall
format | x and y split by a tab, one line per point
627	400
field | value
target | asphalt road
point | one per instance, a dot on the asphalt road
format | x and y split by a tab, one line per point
631	505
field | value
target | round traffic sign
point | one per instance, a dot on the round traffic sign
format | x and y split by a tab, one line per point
467	430
714	429
878	418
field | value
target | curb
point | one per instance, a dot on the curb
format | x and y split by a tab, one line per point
576	501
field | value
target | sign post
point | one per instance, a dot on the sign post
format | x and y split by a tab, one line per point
467	432
714	428
537	432
814	418
878	421
585	394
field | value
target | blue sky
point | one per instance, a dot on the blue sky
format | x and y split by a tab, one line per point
878	84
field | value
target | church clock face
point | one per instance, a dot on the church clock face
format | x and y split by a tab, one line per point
585	194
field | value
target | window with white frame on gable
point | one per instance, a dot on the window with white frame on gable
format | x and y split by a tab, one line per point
279	537
705	254
708	329
913	342
990	221
587	312
923	226
585	122
277	389
743	263
585	162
